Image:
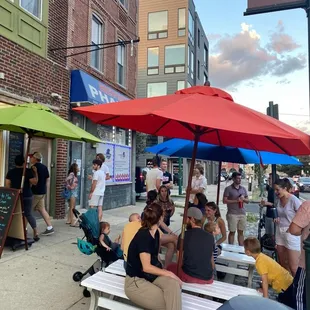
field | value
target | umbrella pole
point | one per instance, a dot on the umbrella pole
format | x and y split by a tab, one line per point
188	191
21	192
219	183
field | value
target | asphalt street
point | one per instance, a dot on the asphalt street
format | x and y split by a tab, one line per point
304	196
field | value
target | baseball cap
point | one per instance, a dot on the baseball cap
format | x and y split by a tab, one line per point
36	155
194	213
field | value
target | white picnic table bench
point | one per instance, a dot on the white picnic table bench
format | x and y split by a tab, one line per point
243	261
217	289
245	264
113	286
232	248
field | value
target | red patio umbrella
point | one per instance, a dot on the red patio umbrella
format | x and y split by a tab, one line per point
201	113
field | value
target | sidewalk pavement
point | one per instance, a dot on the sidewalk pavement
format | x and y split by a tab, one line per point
41	278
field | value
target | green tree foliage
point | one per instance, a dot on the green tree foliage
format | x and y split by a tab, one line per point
290	170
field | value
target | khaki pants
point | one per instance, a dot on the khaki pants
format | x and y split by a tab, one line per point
163	294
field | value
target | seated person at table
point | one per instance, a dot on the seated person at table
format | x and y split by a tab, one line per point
271	272
129	231
198	263
200	202
167	240
109	251
213	229
147	284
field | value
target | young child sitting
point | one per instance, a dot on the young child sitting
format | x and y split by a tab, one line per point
212	228
271	272
111	250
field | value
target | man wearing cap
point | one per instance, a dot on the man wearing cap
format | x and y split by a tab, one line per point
198	263
39	191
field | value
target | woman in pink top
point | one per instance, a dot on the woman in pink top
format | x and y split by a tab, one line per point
72	185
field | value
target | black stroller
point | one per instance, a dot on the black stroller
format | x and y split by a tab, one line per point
266	225
90	225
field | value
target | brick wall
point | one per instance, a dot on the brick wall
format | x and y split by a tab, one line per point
35	77
117	23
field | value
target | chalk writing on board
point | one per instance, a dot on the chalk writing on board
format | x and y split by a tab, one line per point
16	147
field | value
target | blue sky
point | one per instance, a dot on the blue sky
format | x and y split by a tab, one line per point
258	58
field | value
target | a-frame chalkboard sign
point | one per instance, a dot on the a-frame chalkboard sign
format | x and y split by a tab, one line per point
9	199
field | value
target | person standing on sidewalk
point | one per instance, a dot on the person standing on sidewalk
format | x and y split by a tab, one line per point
13	179
97	189
39	191
167	177
154	177
295	295
235	196
104	167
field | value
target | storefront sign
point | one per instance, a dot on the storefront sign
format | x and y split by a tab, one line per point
86	88
118	160
265	6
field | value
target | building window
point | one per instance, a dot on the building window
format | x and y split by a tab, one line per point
189	84
158	25
198	69
34	7
124	3
191	27
121	63
175	58
156	89
96	40
192	65
199	38
182	23
153	60
205	78
205	56
180	85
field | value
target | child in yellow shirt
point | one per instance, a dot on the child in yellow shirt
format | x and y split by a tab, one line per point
271	272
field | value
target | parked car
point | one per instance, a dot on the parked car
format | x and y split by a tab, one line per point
304	184
140	186
295	187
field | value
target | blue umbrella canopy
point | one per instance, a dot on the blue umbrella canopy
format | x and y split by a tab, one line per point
184	148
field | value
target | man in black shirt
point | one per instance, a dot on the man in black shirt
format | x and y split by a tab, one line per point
167	177
39	191
198	263
13	179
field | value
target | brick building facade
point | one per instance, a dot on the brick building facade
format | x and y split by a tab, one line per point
31	72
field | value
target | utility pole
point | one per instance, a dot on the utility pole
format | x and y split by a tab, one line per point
273	111
180	183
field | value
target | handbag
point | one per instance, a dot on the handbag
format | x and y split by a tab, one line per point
152	277
65	193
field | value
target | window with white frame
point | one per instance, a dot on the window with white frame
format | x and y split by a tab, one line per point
205	77
33	7
188	59
158	25
121	50
198	69
124	3
156	89
96	40
175	58
153	60
191	27
180	85
182	22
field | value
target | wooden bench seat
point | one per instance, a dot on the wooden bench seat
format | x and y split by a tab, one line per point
113	285
218	289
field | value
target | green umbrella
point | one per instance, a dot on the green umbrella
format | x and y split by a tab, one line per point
36	120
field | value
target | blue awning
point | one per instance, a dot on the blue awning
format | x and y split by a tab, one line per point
86	88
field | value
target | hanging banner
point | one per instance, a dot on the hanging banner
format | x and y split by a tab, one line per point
122	163
266	6
107	149
118	160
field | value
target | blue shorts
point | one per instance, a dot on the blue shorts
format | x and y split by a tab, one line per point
73	193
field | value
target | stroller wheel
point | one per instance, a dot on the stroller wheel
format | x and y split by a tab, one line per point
78	276
86	293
